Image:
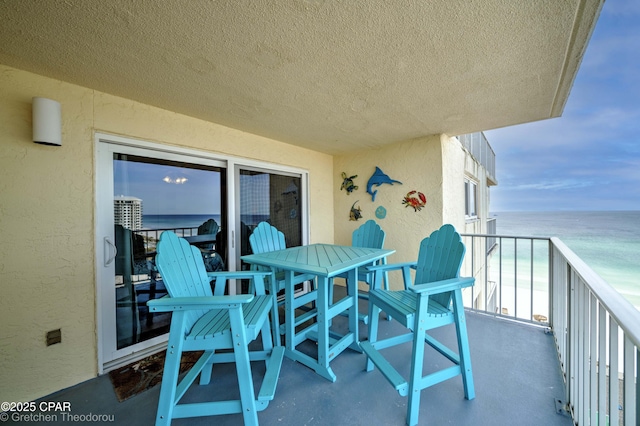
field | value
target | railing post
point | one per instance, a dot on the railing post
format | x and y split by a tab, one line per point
569	363
531	283
515	277
500	278
486	272
550	285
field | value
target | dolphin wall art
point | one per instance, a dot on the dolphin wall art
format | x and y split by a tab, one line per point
377	179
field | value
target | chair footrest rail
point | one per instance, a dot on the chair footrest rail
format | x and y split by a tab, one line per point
270	381
391	374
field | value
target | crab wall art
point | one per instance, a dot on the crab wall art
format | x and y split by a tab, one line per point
415	199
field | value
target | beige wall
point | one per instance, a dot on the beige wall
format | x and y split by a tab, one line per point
418	164
454	158
47	271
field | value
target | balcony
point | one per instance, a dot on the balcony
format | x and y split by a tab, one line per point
596	332
538	337
479	147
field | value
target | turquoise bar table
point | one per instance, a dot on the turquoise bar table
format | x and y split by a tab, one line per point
324	261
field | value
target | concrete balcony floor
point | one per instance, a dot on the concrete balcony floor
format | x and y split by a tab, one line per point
515	368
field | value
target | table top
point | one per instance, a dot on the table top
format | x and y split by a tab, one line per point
318	259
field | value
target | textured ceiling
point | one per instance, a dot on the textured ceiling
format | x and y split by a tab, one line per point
329	75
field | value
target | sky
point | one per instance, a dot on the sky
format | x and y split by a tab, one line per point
168	189
588	159
163	189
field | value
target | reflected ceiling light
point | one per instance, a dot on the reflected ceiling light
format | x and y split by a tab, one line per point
177	181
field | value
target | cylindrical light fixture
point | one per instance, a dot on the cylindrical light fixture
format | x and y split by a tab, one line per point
47	121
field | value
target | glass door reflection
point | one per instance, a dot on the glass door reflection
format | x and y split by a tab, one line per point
152	196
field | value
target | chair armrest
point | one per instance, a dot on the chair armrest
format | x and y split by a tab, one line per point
221	278
443	286
378	270
168	304
391	267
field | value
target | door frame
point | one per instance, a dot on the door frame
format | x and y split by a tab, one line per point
105	145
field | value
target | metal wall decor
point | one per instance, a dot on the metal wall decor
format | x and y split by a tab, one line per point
377	179
348	184
415	199
355	213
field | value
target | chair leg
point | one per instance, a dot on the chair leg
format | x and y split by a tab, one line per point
171	371
417	361
243	368
269	335
374	316
275	315
463	345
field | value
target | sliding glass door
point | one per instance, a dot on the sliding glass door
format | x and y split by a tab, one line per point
143	194
145	189
271	196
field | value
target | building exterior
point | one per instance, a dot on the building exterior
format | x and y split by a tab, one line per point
480	176
389	101
127	211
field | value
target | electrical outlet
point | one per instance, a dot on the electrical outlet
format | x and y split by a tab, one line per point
53	337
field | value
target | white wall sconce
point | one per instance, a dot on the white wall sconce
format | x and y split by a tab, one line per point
47	122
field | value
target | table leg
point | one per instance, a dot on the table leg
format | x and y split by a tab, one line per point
321	365
289	311
323	329
352	290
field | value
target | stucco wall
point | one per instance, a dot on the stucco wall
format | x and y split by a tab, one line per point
418	165
47	271
433	165
454	158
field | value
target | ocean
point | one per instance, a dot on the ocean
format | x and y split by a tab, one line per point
608	241
172	221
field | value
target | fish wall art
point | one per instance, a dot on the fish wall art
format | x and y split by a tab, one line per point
355	213
377	179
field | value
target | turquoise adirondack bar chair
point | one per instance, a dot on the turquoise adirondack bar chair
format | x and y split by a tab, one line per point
209	227
221	326
266	238
434	300
213	261
369	235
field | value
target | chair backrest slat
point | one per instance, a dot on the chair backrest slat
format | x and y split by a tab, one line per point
440	258
266	238
182	269
368	235
210	227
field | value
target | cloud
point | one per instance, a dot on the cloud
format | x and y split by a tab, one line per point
550	185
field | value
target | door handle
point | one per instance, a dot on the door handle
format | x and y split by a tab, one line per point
110	251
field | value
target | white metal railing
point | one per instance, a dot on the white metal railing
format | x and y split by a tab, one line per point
512	276
596	330
594	327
